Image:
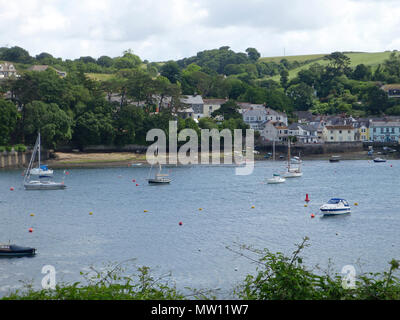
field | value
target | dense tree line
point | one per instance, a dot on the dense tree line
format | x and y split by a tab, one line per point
80	111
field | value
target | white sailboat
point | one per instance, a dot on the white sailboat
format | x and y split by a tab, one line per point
39	184
159	178
42	170
292	172
276	179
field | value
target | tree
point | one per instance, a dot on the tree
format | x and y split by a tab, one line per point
16	54
253	54
338	63
362	72
105	61
8	121
93	129
229	110
54	124
284	78
171	71
301	95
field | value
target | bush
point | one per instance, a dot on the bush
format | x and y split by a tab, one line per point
2	148
20	148
9	148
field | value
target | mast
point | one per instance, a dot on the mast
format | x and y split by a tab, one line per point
39	151
273	149
288	155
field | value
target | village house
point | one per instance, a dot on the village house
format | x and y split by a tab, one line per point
276	116
194	106
210	105
362	129
384	131
45	67
255	118
245	106
274	131
338	133
303	133
7	70
392	90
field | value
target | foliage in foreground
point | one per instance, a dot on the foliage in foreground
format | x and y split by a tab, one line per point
278	277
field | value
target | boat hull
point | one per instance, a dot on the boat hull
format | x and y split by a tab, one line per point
334	212
155	181
44	186
17	251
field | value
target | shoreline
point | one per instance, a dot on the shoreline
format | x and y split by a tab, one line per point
117	159
121	159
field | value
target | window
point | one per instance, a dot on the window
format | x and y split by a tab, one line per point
340	131
348	131
374	129
331	131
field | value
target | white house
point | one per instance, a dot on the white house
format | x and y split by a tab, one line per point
340	133
210	105
194	106
255	118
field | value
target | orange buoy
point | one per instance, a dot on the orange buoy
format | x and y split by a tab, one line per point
312	215
307	198
30	230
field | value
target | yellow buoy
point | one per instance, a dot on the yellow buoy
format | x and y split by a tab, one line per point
200	209
145	211
253	207
305	205
356	204
31	214
90	213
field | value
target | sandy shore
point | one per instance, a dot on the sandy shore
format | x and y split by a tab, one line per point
115	159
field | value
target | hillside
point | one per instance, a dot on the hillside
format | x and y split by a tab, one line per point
368	58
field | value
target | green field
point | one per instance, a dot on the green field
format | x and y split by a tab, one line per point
368	58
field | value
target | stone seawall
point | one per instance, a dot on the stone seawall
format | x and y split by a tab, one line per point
15	159
317	148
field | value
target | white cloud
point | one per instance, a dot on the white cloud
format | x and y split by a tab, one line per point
173	29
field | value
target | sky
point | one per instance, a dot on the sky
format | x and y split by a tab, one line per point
161	30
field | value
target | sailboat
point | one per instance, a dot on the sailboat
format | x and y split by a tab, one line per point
292	172
42	170
159	177
39	184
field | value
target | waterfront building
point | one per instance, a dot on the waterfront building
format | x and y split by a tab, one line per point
338	133
385	131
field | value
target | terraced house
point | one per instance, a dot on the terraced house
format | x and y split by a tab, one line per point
339	133
385	131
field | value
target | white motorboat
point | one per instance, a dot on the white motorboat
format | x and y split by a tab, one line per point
379	160
276	179
335	206
39	184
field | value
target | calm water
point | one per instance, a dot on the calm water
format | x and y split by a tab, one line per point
71	240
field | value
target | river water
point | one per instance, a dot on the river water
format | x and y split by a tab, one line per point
70	239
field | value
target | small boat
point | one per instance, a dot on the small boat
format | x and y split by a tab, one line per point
159	178
335	206
39	184
295	160
379	160
276	179
12	250
293	172
334	159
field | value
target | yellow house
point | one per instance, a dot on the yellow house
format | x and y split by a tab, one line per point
340	133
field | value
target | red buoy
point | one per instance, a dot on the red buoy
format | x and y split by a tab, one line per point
137	185
312	215
30	230
12	188
180	223
307	199
133	180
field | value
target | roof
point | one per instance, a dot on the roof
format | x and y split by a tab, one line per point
254	112
339	127
385	124
308	127
192	99
393	86
38	68
214	101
